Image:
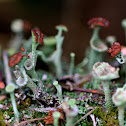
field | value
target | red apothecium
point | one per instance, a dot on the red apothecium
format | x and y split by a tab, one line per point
115	49
98	21
38	35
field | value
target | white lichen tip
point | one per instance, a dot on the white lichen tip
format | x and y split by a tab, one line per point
17	25
119	98
56	114
123	23
111	39
10	88
72	54
55	83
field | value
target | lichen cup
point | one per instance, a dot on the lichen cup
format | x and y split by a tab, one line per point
98	47
105	73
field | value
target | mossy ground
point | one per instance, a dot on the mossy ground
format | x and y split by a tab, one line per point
84	101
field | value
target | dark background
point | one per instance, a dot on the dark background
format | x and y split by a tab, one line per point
45	14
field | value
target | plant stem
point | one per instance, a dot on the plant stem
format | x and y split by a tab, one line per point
71	69
95	35
32	73
32	86
59	34
57	60
94	54
82	64
8	81
108	100
58	66
56	121
14	106
121	115
42	56
34	53
59	89
70	121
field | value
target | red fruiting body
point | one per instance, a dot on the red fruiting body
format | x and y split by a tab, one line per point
15	59
22	49
115	49
98	21
38	35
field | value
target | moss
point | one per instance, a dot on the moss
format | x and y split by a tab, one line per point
71	94
2	123
108	119
10	108
26	103
36	114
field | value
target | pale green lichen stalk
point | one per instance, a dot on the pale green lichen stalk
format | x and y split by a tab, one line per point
58	53
97	45
23	79
106	86
71	68
105	73
71	111
56	116
10	89
10	86
55	58
97	48
119	99
34	54
80	66
59	90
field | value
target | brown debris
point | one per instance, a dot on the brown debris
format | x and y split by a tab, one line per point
49	119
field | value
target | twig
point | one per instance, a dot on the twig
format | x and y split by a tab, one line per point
28	121
83	117
85	90
43	109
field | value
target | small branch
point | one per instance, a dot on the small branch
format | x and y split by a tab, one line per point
83	117
43	109
85	90
31	120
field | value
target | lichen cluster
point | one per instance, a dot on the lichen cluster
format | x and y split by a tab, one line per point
38	87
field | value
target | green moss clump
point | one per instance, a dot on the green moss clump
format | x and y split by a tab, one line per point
26	103
108	119
2	123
